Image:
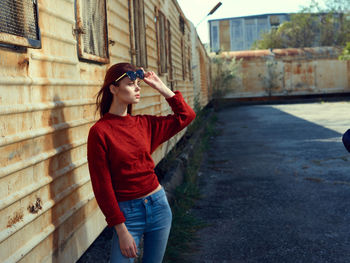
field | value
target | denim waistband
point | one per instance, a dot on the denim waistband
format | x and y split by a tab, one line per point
153	197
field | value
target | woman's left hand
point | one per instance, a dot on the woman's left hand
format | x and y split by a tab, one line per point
155	82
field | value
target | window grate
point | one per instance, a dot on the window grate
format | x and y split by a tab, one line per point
92	30
19	23
95	27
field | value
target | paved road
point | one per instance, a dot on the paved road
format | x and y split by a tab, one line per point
276	186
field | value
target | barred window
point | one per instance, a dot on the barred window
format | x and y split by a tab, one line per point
91	30
140	33
19	23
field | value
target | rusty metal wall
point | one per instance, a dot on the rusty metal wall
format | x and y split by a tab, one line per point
47	208
289	72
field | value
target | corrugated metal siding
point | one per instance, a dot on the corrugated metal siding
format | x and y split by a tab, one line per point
47	209
200	69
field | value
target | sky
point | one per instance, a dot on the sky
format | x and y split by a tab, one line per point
196	10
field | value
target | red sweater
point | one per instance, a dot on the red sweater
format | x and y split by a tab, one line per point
119	154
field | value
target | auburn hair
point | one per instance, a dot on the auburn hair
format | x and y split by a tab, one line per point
104	97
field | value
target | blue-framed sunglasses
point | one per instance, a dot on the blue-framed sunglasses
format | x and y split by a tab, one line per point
132	75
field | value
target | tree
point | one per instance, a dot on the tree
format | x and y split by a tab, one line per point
312	26
338	6
225	71
346	53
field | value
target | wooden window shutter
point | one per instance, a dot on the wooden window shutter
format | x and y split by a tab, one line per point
163	43
140	33
170	61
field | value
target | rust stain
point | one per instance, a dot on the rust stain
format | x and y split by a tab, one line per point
34	208
310	69
297	69
23	62
18	216
288	52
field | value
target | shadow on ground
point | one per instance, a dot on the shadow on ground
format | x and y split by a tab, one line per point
276	188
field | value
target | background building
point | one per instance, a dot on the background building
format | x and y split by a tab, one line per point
239	33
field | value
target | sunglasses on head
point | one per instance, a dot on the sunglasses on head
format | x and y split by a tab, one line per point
132	75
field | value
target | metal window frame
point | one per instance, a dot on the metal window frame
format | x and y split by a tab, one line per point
10	40
79	31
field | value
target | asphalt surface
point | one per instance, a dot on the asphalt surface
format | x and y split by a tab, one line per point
276	186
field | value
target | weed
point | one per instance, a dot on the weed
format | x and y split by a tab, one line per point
185	224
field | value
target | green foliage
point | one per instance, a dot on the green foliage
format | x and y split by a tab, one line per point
272	39
346	53
224	74
312	26
273	78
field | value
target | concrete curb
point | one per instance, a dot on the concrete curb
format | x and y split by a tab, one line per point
221	103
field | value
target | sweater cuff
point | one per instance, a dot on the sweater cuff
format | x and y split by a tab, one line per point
177	98
115	220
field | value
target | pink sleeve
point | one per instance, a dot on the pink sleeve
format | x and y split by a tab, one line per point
101	178
164	127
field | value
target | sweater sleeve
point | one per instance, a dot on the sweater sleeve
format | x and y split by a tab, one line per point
101	178
164	127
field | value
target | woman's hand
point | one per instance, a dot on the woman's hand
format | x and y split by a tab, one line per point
126	241
155	82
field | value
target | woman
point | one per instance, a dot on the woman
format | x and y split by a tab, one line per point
121	167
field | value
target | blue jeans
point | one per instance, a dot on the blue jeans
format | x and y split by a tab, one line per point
149	217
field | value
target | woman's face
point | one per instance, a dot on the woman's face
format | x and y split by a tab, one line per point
127	91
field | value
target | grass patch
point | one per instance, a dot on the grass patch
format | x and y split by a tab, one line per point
185	224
